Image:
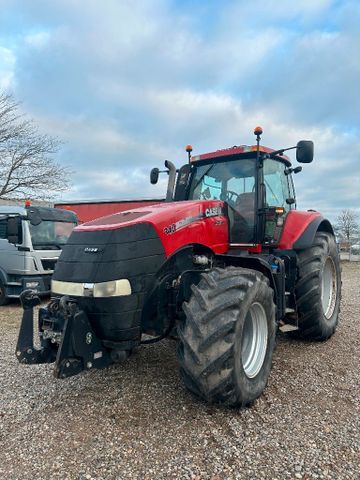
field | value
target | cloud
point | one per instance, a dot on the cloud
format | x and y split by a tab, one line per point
128	84
37	39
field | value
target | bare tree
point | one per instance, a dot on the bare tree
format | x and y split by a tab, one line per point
27	169
347	227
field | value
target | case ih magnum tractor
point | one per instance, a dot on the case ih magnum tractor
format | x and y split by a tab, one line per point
221	265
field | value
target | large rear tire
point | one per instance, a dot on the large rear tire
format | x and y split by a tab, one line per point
228	335
318	288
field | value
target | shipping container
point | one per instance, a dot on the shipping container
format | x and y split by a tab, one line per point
91	209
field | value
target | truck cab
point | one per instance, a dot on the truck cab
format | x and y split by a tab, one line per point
31	240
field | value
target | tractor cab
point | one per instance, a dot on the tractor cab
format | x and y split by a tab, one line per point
255	182
248	191
258	192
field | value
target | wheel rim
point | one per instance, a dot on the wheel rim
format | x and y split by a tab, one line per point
328	287
254	340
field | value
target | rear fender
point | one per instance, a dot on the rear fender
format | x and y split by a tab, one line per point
300	229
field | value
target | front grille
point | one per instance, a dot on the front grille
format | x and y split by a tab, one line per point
131	252
48	263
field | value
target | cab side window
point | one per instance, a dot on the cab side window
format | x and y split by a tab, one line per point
276	184
7	231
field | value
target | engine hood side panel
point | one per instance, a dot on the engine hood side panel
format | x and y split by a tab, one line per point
134	246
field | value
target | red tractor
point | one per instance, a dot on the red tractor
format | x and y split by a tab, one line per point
223	263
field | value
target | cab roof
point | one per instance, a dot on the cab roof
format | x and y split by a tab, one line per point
45	213
12	209
236	150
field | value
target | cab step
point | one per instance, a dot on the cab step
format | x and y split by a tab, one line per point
287	327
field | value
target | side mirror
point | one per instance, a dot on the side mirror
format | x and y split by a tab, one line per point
13	230
154	176
305	151
34	217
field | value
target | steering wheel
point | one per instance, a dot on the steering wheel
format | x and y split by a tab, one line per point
231	196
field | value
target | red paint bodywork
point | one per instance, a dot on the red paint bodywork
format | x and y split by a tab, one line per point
225	152
295	225
87	211
209	231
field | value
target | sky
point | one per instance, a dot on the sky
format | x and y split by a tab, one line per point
127	84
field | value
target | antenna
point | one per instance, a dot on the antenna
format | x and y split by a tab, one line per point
189	148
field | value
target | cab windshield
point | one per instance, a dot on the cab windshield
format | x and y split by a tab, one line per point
233	182
50	235
223	181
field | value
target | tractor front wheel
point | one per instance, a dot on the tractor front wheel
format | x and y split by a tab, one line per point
228	335
318	288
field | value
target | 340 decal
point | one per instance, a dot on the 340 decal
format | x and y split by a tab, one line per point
170	229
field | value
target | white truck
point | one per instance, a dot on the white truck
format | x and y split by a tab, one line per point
31	239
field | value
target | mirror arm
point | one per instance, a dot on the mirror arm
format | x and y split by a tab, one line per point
281	151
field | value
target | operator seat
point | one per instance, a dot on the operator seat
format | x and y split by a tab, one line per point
244	218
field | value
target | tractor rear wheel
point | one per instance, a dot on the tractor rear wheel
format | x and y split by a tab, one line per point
318	288
228	335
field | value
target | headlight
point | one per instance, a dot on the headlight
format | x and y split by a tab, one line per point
113	288
31	284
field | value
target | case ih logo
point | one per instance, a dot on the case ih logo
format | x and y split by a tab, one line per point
92	250
213	211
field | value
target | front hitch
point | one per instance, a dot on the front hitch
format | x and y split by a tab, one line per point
79	349
26	352
66	336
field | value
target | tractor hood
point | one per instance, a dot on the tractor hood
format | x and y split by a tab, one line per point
176	223
110	265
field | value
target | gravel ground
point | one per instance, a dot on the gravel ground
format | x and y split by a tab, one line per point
136	420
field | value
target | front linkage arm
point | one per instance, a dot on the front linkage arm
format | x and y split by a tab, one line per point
26	352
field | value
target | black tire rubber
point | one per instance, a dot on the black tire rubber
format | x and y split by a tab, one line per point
313	324
4	300
209	350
